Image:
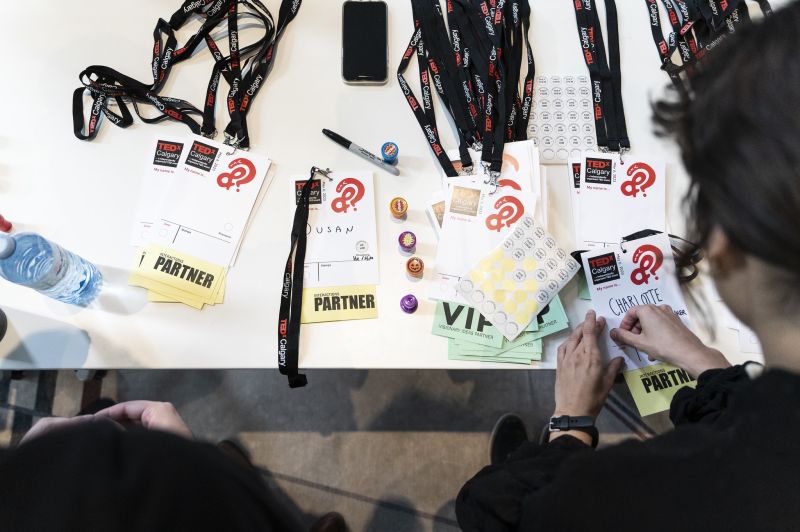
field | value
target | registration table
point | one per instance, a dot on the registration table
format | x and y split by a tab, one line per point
83	195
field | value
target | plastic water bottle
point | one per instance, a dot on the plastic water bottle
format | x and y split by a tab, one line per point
31	260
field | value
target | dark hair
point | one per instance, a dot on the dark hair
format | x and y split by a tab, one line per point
738	128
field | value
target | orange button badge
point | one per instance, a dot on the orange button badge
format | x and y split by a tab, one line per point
399	207
415	267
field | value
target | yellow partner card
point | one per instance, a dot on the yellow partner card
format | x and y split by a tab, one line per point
338	303
178	276
653	387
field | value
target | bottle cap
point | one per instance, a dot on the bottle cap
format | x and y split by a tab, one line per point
7	246
389	152
5	225
415	266
408	241
409	304
399	207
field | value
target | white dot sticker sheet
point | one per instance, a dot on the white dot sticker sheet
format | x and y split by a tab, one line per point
520	277
562	122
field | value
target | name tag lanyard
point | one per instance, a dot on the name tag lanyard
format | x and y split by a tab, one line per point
475	71
696	29
292	292
605	73
245	70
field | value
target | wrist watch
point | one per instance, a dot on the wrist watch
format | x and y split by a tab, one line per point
581	423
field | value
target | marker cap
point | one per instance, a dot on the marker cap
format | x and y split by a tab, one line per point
5	225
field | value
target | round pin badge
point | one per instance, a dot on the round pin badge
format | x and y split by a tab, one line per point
415	267
409	304
399	207
407	241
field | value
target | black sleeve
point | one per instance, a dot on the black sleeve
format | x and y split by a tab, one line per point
491	500
709	400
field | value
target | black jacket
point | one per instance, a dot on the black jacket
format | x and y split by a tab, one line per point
732	464
96	477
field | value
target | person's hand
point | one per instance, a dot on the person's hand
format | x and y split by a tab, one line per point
582	379
49	424
149	414
657	331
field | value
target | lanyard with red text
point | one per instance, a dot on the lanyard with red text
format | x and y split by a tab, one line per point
245	69
605	74
292	291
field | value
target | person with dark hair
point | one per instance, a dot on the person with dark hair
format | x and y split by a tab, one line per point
135	467
731	463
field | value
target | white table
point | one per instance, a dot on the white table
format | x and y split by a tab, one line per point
83	194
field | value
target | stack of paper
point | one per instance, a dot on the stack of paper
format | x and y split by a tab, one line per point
198	199
341	264
471	218
171	276
474	217
472	337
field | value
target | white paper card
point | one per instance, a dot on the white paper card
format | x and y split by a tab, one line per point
165	155
342	239
618	281
210	199
617	199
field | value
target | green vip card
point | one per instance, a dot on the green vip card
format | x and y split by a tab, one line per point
461	322
552	320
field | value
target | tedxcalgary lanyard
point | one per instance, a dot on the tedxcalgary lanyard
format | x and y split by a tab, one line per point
467	70
506	118
437	67
244	69
697	27
605	74
292	293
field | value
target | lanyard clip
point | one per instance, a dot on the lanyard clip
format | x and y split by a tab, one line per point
492	179
326	172
622	151
467	170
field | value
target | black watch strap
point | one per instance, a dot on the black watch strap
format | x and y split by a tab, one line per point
581	423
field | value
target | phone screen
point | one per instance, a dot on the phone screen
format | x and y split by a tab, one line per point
364	42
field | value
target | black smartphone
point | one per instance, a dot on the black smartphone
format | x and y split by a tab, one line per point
364	43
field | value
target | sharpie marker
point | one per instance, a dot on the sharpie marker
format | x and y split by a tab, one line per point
358	150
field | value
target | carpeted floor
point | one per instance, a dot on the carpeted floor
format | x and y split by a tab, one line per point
387	449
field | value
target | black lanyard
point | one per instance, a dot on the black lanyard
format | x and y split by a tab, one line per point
292	292
696	29
506	114
474	67
244	69
605	74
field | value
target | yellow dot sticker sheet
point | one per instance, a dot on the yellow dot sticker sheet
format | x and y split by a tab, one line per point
513	283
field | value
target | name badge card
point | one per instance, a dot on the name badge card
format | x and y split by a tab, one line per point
164	157
342	232
207	205
642	272
615	199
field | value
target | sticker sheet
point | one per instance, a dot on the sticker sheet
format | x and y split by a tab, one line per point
342	231
514	282
562	123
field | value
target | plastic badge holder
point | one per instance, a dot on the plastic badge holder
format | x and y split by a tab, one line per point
513	283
